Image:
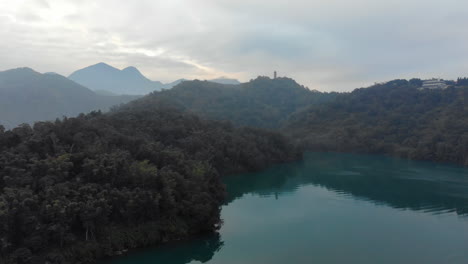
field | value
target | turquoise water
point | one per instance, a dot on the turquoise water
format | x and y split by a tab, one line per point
335	208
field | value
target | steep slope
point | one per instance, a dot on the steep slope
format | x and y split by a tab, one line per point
100	183
395	118
262	102
27	96
107	78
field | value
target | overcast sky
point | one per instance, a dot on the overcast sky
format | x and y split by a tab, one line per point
323	44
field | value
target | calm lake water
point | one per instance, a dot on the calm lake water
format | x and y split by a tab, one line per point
335	208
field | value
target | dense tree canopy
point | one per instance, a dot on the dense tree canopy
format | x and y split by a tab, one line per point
80	188
462	81
262	102
395	118
148	172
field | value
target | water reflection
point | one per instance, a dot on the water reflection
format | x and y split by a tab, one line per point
422	186
318	212
202	250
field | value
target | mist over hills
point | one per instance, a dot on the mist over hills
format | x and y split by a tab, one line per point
162	147
262	102
105	79
27	96
397	117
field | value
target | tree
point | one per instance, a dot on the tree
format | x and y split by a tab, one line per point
79	188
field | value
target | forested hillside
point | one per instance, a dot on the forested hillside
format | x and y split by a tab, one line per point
395	118
149	171
262	102
81	188
27	96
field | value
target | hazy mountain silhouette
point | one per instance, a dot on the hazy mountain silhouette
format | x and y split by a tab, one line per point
221	80
27	96
174	83
103	77
224	80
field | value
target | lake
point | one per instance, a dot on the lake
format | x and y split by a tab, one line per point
335	208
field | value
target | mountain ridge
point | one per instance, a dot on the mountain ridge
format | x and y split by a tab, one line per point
102	76
262	102
27	96
398	118
106	78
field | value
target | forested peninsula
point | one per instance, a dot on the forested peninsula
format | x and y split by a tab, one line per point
83	188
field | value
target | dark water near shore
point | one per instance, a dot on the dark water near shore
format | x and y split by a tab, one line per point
335	208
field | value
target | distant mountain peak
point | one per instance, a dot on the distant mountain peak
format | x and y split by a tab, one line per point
133	71
51	73
131	68
22	69
23	72
102	64
103	77
26	69
225	80
27	96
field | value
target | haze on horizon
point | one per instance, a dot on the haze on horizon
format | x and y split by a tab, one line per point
325	45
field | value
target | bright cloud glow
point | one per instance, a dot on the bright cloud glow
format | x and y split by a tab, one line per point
326	45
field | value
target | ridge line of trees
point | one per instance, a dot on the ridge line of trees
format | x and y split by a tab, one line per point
78	189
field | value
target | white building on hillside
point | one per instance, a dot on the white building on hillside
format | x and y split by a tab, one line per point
434	84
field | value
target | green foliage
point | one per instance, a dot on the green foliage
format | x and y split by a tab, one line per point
394	118
263	102
462	82
415	82
82	188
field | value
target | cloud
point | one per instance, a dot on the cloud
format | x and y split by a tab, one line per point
42	3
326	45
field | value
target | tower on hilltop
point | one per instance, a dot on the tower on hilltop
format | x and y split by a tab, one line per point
275	75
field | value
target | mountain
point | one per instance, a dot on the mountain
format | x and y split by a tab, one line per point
27	96
221	80
87	187
262	102
224	80
172	84
51	73
103	77
106	79
393	118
